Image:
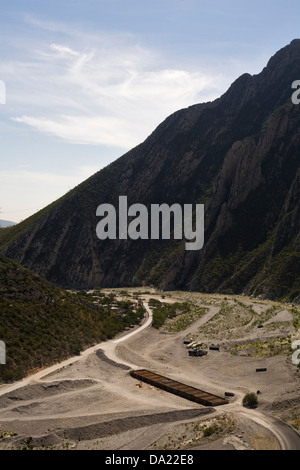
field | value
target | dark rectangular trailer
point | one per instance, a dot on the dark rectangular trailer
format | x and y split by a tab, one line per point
178	388
197	352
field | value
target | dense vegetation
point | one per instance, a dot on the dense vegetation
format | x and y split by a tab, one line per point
42	324
162	311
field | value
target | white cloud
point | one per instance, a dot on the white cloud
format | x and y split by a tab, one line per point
90	89
84	130
112	91
64	50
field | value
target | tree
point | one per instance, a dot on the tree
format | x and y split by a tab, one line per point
250	400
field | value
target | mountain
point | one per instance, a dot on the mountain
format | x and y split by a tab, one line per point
6	223
238	155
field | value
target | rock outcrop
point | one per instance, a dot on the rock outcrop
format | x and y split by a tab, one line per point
239	155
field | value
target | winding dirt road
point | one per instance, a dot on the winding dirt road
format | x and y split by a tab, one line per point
108	347
286	436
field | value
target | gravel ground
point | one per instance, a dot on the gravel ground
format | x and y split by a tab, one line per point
94	403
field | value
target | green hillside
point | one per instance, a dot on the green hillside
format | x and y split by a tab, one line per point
42	324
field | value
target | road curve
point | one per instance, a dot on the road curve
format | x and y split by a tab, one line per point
287	437
107	346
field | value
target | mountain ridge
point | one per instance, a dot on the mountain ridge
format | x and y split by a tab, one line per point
239	155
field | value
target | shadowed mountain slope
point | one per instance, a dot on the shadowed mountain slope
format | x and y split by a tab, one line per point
239	155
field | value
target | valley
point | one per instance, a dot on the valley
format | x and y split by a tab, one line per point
150	286
90	401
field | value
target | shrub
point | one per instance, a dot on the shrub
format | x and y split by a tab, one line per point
208	431
250	400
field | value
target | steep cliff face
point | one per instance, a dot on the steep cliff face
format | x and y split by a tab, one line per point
239	155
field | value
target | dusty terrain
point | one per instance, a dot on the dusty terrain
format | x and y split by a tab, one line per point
91	401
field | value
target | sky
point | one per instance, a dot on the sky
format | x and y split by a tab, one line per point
83	82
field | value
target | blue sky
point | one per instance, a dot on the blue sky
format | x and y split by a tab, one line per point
88	80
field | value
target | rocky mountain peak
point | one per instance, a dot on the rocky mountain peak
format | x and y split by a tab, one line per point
238	155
